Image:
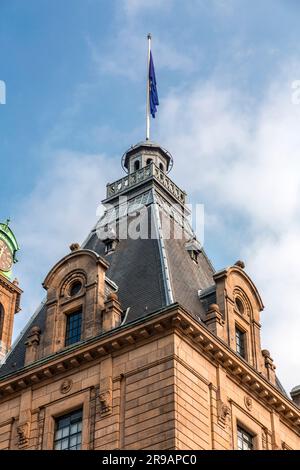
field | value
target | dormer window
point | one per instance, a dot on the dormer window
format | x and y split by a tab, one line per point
194	255
193	248
110	240
109	246
73	327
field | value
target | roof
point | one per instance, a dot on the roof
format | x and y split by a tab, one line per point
16	357
139	269
149	273
135	267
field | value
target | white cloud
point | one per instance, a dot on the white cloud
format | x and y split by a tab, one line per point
125	54
131	62
243	159
61	209
274	262
134	8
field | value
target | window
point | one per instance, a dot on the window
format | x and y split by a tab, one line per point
149	160
245	440
161	167
240	306
240	342
73	329
1	319
194	255
68	431
109	246
136	165
75	288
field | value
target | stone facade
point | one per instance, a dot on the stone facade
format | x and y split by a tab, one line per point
167	378
167	383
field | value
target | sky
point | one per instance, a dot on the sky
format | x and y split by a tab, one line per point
227	71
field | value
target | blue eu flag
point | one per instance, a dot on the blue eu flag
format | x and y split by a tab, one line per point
153	96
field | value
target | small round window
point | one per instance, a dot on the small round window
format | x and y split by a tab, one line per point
75	288
240	306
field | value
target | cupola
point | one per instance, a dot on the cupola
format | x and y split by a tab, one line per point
145	153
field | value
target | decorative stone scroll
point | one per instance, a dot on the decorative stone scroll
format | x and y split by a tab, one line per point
223	413
23	433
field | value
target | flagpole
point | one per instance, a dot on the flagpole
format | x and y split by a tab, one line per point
148	91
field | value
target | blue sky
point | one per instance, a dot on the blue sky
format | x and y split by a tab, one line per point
75	77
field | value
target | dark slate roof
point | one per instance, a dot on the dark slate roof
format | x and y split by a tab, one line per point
136	266
187	277
16	358
136	269
208	296
280	387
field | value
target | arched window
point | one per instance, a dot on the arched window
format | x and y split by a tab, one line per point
136	165
161	167
240	306
75	288
149	160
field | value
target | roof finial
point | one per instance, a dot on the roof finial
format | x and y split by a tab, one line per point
5	225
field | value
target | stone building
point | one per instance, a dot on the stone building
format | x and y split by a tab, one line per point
139	343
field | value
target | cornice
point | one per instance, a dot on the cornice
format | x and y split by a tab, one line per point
173	319
10	286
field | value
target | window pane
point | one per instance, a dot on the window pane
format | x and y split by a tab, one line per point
245	440
64	444
73	441
68	431
74	428
73	329
240	342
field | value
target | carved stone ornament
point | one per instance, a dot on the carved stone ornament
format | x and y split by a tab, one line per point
66	386
264	437
105	401
224	413
23	434
248	402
